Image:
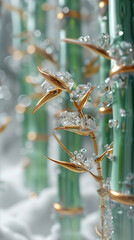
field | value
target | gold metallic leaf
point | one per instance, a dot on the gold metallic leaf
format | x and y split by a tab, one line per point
75	129
4	125
100	158
63	147
121	69
92	71
85	98
48	7
54	81
13	8
89	65
70	166
45	54
50	95
75	168
90	46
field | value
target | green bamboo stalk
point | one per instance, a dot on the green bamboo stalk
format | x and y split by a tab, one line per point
121	12
105	131
68	182
37	171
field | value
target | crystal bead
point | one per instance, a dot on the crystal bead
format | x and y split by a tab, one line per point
130	214
83	151
106	147
113	123
119	31
88	122
24	100
123	112
46	87
111	157
79	92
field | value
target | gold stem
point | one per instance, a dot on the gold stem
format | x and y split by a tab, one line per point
78	109
102	205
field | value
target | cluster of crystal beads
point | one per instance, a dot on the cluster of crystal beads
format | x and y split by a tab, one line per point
47	87
63	76
81	158
72	119
79	92
89	122
108	224
113	123
102	40
66	78
122	52
69	118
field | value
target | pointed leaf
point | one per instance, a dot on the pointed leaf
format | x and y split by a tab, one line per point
70	166
50	95
89	66
75	129
91	72
13	8
54	81
45	54
90	46
63	147
85	98
4	124
100	158
121	69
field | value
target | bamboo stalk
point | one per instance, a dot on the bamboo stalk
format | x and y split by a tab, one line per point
121	12
69	60
105	131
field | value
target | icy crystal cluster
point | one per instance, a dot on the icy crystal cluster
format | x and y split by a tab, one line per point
69	118
73	119
108	224
63	76
80	157
122	52
47	87
102	40
79	92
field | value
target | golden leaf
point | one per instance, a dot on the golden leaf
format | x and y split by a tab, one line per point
75	168
4	124
54	81
89	65
13	8
90	46
70	166
92	71
50	95
45	54
121	69
85	98
63	147
75	129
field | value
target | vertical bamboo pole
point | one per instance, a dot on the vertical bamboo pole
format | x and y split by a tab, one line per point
121	13
105	131
69	60
37	171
